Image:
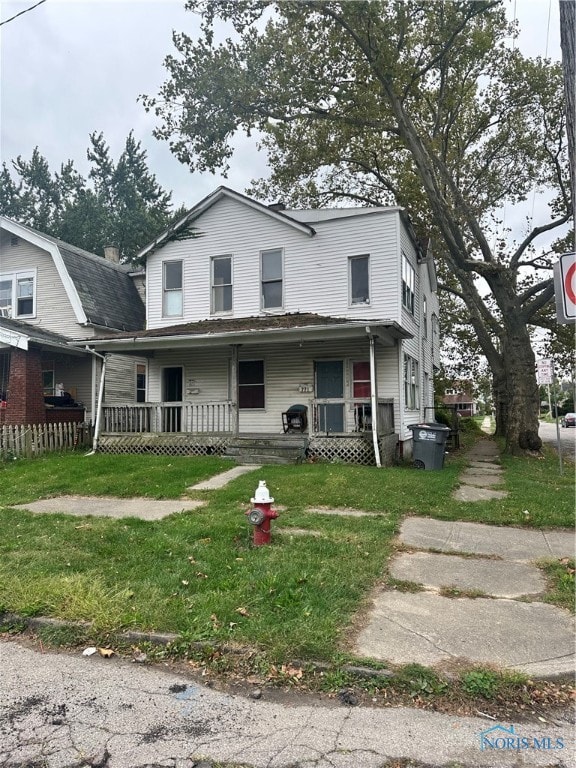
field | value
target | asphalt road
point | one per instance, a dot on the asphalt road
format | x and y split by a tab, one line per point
60	710
548	434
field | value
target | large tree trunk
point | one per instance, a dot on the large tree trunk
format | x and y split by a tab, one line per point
520	401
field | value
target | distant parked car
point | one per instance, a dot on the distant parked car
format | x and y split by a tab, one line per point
569	420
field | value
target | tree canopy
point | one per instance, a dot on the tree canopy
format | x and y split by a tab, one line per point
120	203
418	103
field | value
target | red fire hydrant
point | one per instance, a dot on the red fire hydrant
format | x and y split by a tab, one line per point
261	514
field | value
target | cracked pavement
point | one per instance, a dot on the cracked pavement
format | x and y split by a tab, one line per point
61	710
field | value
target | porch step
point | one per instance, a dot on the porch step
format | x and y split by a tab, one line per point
285	449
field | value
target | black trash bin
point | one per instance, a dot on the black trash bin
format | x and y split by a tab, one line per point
429	444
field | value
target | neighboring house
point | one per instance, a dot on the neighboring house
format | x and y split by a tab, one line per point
50	294
459	401
266	322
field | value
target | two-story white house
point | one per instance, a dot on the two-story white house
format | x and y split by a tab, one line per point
318	327
52	293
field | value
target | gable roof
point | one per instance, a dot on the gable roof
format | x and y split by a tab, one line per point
101	293
208	202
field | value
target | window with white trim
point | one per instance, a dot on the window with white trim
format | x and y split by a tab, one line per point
18	294
408	284
424	318
221	276
411	384
359	279
272	278
172	292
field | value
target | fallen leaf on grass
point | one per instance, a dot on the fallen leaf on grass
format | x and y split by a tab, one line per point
243	611
106	652
289	671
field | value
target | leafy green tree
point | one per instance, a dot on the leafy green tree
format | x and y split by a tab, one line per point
120	203
419	103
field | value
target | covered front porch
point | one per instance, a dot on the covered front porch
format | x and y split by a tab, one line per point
330	390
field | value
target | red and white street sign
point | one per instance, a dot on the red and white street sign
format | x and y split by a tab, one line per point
565	288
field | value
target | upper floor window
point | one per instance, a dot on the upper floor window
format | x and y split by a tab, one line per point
411	383
172	289
359	290
408	284
222	284
271	271
18	294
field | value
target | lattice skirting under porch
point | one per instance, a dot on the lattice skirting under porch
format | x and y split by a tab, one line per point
164	444
352	450
344	450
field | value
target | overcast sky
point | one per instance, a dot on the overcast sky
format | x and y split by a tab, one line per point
71	67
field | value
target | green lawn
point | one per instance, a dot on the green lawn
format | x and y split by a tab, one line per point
197	574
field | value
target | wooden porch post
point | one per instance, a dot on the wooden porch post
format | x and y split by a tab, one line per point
234	390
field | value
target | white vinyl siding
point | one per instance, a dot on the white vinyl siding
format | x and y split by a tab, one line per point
315	268
52	310
121	378
286	369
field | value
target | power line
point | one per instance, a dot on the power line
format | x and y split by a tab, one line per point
22	12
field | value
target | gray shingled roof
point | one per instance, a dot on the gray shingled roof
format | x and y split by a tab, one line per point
106	291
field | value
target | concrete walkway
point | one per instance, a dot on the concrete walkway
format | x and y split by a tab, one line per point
481	608
219	481
99	506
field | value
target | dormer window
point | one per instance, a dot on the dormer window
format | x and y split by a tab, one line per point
18	295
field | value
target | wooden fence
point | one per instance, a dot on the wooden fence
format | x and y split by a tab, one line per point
36	439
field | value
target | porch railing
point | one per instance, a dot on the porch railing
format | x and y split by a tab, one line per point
168	417
332	417
344	416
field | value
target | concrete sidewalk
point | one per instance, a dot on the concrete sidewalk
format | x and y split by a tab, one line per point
480	587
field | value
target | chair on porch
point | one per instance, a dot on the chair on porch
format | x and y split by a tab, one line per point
295	419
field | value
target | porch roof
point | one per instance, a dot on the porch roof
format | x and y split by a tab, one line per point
20	335
269	328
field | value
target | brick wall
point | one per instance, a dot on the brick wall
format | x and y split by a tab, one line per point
25	399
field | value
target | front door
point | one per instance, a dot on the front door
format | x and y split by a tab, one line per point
330	386
172	393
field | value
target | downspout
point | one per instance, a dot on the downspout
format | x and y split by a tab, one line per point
373	399
99	404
